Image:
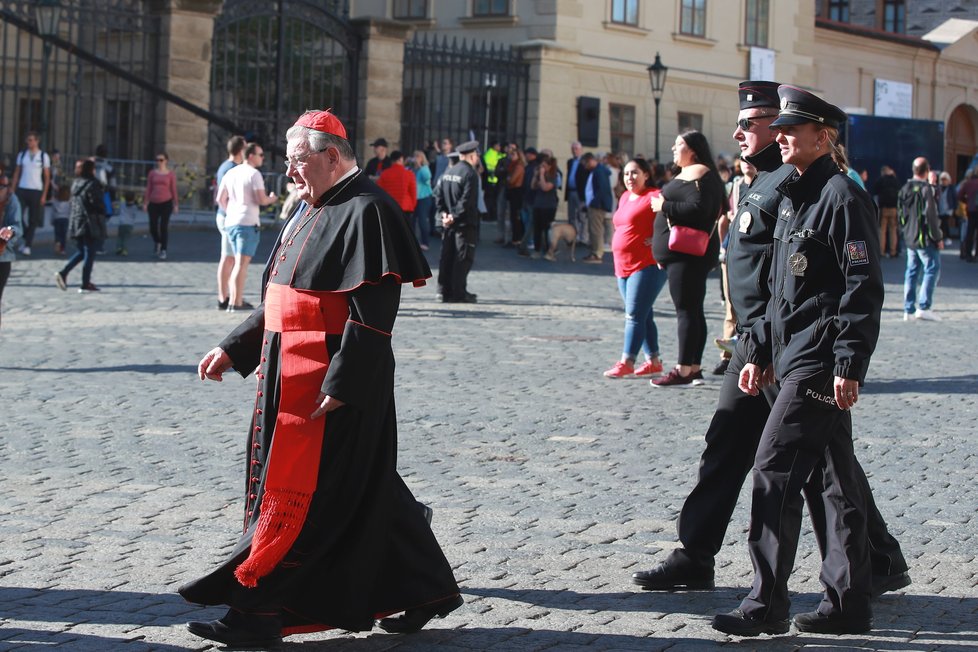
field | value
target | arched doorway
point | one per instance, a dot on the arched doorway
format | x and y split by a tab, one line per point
273	59
961	140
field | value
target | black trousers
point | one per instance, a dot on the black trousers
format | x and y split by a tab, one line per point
4	275
731	443
159	222
33	212
687	287
807	436
457	256
515	198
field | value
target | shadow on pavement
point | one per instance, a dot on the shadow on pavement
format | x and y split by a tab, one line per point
137	368
954	385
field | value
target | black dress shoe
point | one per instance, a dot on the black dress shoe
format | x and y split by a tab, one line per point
676	572
819	623
886	583
252	632
740	624
414	619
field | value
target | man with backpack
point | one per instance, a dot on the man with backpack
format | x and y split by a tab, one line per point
32	181
921	226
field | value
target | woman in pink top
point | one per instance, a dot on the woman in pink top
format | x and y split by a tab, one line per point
639	278
160	201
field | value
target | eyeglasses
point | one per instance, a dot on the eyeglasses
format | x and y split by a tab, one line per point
293	161
4	185
161	160
745	123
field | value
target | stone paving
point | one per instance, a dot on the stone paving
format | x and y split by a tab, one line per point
120	472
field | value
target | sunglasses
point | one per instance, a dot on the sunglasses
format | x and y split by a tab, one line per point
745	123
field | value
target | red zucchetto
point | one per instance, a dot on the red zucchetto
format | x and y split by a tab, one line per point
323	121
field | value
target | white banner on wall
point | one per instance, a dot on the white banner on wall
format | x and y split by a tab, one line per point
761	64
893	99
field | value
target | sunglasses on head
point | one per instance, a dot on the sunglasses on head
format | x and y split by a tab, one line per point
745	123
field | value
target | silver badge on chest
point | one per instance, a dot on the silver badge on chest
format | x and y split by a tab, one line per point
797	264
745	221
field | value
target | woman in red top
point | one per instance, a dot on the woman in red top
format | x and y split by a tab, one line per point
639	277
160	201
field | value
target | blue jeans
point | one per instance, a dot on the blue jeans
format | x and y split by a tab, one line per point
639	292
927	259
424	216
85	254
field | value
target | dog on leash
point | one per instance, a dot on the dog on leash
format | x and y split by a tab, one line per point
562	231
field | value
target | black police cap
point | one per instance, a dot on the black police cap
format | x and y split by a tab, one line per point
759	95
799	106
467	146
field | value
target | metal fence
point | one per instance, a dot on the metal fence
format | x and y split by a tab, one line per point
72	103
458	89
272	60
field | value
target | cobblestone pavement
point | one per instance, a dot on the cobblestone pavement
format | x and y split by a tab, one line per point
120	472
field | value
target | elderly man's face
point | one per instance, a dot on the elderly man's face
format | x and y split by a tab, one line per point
312	172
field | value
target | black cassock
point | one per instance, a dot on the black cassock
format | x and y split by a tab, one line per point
364	549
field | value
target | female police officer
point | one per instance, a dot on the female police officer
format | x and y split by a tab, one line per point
820	329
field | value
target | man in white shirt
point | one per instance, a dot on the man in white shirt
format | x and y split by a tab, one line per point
32	180
241	195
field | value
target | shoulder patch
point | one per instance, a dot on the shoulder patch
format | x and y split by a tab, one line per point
857	252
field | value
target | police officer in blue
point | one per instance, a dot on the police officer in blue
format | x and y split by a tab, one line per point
819	330
734	432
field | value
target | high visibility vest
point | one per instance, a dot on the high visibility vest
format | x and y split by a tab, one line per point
491	158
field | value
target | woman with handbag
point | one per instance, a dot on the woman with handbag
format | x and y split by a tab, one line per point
86	225
686	245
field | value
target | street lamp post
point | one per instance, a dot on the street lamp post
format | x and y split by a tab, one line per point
657	77
490	84
48	15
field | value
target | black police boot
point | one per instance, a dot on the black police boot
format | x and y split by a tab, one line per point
819	623
678	571
738	623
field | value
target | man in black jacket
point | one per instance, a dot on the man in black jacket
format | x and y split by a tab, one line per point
457	201
733	434
577	175
886	189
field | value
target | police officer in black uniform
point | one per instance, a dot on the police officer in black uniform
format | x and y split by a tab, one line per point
733	435
820	329
457	201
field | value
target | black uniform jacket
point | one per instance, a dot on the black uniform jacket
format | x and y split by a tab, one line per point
458	194
751	246
826	282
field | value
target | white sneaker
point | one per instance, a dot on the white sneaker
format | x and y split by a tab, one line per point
907	316
163	254
926	315
25	250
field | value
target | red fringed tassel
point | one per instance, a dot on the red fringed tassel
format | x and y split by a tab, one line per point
282	515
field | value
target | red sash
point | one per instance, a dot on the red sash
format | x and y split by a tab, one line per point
303	318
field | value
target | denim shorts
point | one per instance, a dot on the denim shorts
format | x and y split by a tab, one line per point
244	240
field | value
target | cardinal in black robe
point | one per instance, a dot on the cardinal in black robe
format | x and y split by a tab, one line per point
332	537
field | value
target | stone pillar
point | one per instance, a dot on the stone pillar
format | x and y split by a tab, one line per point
554	76
381	82
184	69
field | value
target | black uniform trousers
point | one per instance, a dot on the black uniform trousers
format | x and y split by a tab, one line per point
731	443
457	256
807	436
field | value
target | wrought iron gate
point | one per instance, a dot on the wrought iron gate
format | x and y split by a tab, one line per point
274	59
74	104
459	89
